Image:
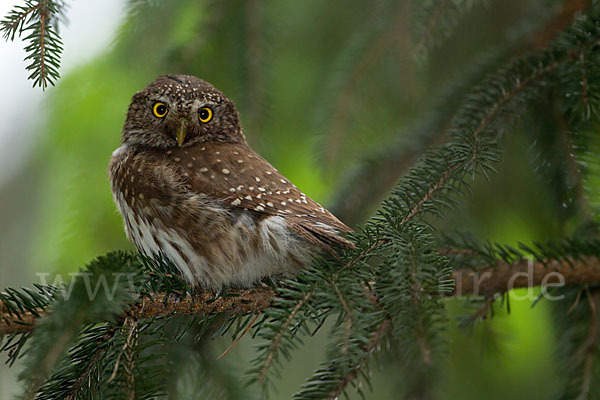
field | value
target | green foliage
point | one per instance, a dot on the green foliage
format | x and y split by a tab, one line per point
386	295
39	21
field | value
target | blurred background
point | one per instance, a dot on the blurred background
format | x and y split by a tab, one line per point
325	89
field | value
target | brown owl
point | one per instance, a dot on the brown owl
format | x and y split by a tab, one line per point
190	188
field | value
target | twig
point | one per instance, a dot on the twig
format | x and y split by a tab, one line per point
279	336
239	337
348	318
416	301
78	384
561	20
353	373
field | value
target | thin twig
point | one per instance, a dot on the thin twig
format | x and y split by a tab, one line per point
11	28
377	336
275	342
100	349
43	27
239	337
348	318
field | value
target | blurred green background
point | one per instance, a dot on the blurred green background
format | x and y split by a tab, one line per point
321	86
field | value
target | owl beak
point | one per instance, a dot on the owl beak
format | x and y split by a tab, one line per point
181	131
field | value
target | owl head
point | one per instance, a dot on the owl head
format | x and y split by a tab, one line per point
178	111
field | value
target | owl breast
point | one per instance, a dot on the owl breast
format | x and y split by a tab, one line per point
210	244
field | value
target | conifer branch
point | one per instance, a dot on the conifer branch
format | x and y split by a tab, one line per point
417	292
573	169
347	318
277	339
352	374
86	375
568	11
382	170
369	58
432	23
523	273
15	20
40	19
484	281
590	344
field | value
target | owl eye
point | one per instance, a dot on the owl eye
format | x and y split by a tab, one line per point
160	109
205	114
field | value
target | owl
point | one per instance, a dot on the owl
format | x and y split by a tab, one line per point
190	188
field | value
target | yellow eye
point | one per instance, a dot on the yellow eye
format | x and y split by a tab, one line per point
205	114
160	109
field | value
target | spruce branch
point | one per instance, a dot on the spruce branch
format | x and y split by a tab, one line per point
370	56
382	170
38	20
276	340
99	351
353	373
484	281
568	11
522	273
436	20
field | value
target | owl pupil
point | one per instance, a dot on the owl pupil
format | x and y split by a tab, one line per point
204	114
161	109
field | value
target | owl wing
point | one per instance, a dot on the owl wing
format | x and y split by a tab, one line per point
242	179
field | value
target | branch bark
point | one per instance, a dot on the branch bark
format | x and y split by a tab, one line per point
484	282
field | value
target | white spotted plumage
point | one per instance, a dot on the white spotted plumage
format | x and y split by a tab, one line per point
220	212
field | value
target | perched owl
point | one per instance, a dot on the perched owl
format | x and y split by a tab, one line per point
190	188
